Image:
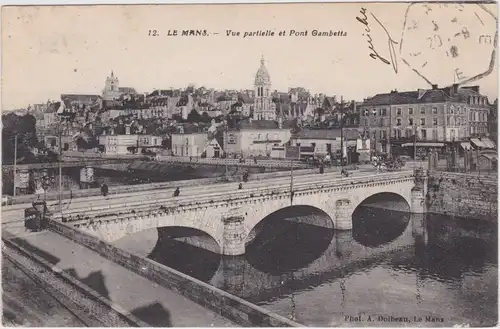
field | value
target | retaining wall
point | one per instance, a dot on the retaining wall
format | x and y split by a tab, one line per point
229	306
463	195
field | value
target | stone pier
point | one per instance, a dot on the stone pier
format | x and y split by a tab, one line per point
343	220
233	236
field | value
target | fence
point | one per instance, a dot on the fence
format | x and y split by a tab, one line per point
234	162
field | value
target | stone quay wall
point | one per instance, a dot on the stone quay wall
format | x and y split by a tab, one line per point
463	195
229	306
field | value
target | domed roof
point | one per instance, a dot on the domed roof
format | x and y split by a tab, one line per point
262	76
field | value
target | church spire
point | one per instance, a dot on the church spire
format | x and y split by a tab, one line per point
112	74
262	59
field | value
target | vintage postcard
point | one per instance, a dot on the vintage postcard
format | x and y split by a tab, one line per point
300	164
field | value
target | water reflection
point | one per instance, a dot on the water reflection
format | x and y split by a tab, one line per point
391	263
306	236
374	227
187	250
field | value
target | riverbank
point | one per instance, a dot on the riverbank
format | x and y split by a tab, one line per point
127	291
463	195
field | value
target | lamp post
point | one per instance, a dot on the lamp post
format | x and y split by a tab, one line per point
15	163
341	132
415	142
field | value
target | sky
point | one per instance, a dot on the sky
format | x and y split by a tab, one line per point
51	50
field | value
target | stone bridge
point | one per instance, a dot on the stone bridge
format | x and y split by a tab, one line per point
229	216
343	255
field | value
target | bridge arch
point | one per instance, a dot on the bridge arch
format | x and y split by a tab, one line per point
303	230
380	219
257	214
202	220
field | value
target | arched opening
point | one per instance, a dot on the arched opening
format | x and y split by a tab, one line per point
185	249
380	219
289	239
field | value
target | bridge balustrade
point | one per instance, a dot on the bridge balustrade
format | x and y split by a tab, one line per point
221	199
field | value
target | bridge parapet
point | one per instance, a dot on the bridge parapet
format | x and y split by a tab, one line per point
229	216
236	198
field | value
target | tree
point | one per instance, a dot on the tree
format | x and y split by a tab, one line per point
205	117
24	127
177	117
194	116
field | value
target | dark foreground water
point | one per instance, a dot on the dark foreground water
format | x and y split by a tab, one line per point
392	269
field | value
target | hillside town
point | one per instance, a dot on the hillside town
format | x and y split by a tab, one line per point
262	122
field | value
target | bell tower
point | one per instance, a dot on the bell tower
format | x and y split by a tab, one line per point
263	107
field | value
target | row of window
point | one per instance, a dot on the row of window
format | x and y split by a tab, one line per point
450	120
422	134
412	111
478	116
478	100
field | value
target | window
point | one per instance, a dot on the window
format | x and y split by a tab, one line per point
422	121
398	123
424	133
422	110
434	110
384	112
434	134
434	121
398	111
410	121
384	134
410	111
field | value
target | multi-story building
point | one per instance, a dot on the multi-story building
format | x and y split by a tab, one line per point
322	142
256	137
118	144
437	116
191	144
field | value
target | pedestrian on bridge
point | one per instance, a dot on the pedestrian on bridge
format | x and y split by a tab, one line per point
177	192
245	176
104	189
240	187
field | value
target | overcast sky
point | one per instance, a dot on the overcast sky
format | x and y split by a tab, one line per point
48	51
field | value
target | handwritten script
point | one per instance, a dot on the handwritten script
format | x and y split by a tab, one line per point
390	41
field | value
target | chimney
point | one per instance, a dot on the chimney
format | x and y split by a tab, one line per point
454	89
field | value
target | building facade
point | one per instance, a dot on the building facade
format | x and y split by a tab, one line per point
437	115
257	138
189	144
118	144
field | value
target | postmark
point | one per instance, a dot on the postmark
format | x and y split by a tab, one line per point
462	38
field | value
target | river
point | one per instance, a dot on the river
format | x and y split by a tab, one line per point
392	269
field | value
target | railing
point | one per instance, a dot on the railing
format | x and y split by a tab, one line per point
64	164
233	162
225	198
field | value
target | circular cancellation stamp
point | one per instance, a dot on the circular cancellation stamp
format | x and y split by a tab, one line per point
449	37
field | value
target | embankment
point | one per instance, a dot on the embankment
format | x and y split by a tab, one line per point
463	195
229	306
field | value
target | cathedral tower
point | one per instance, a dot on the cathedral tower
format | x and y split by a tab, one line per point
263	104
111	88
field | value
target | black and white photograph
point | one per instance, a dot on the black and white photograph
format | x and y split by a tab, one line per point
250	165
